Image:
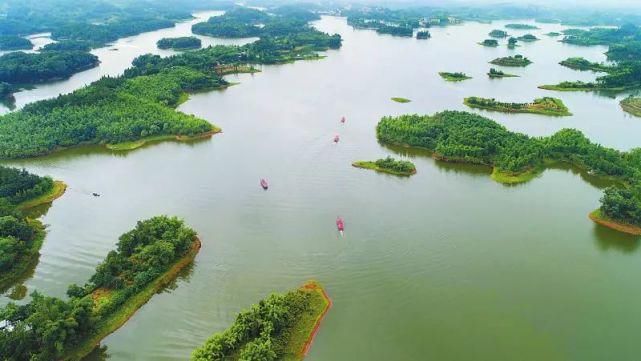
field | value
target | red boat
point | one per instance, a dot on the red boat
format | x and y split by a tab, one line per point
343	120
336	138
263	183
340	224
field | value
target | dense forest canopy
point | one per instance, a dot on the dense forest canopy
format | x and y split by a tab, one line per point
21	68
47	328
182	43
13	42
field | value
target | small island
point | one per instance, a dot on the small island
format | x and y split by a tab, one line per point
511	42
500	34
423	34
528	38
521	26
620	209
582	64
576	86
388	165
492	43
454	76
543	106
181	43
494	73
284	327
515	61
401	100
632	105
146	260
553	34
13	42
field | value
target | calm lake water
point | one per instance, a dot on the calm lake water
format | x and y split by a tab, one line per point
445	265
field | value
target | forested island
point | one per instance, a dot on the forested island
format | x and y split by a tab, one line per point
578	63
145	260
490	43
544	106
521	26
24	68
388	165
494	73
14	42
553	34
400	100
280	327
632	105
423	34
139	106
182	43
21	236
515	61
465	137
527	38
458	76
500	34
512	43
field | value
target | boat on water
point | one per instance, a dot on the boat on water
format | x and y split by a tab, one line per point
336	138
340	225
343	120
263	183
95	194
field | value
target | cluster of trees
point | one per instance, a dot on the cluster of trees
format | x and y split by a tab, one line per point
18	234
395	30
494	73
68	45
545	105
399	166
47	328
632	105
623	204
521	26
528	38
603	36
6	90
511	42
259	333
458	76
20	67
516	60
498	34
490	42
471	138
185	42
14	42
579	63
423	34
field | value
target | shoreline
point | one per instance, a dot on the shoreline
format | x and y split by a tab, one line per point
135	144
527	110
315	287
58	190
117	319
374	167
597	217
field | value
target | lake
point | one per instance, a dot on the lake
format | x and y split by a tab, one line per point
445	265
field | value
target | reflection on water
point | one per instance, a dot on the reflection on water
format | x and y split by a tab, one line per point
608	239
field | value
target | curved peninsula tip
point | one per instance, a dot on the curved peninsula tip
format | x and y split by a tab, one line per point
388	165
543	106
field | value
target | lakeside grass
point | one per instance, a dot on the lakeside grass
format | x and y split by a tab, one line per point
56	192
598	217
401	100
454	76
127	146
514	178
542	106
118	318
631	105
373	166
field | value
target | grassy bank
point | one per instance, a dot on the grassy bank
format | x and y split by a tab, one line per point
401	100
56	192
514	178
632	105
118	318
543	106
598	217
376	167
127	146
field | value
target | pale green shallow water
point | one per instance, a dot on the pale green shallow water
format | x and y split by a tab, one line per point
445	265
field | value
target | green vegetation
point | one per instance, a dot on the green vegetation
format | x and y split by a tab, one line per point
423	34
140	105
20	236
500	34
13	42
544	106
493	73
280	327
401	100
490	42
527	38
22	68
182	43
454	76
68	45
516	60
582	64
632	105
521	26
602	36
553	34
511	42
395	30
388	165
470	138
145	260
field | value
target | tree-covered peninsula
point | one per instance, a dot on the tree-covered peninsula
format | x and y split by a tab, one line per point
521	26
20	236
280	327
181	43
543	106
388	165
28	68
515	61
500	34
458	76
494	73
14	42
145	260
140	105
632	105
492	43
470	138
578	63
